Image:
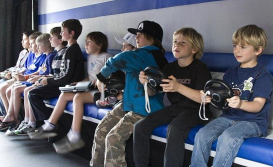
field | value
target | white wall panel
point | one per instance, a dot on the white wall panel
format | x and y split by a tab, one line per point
216	21
50	6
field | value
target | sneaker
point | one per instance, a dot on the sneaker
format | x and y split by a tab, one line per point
5	125
12	128
65	146
22	124
105	103
24	130
40	133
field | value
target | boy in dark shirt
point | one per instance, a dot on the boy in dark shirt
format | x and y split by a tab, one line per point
71	70
186	77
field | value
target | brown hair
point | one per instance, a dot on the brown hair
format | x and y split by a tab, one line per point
73	25
100	39
34	35
56	31
156	43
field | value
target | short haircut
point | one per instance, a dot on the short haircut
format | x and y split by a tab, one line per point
44	40
56	31
28	32
250	35
100	39
34	35
195	38
73	25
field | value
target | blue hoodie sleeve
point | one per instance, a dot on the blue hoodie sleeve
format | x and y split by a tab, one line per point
127	61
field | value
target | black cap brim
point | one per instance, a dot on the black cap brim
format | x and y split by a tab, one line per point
133	30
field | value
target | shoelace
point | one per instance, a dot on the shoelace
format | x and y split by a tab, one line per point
147	102
203	103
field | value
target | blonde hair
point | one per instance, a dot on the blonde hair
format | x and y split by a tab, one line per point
195	38
250	35
44	39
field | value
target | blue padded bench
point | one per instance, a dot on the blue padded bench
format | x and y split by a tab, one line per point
253	152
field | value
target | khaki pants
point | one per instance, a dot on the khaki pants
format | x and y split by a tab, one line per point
110	136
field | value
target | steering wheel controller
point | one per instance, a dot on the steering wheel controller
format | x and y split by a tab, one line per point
154	77
219	93
113	85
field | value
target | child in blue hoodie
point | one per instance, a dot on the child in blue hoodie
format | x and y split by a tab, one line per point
117	126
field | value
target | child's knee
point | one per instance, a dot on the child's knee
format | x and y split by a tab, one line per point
139	127
201	136
173	129
112	139
225	137
17	91
78	97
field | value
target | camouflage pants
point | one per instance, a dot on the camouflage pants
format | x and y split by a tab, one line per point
110	138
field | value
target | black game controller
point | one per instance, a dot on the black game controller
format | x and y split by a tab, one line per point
154	77
113	85
219	93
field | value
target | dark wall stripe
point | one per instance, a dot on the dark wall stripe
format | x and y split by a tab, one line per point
112	8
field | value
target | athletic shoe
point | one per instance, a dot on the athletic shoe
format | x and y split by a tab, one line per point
40	133
12	128
22	124
65	146
5	125
105	103
24	130
10	132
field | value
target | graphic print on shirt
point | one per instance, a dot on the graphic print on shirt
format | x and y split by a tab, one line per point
248	84
184	81
243	90
43	68
64	69
32	67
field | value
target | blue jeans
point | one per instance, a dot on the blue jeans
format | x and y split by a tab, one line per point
230	134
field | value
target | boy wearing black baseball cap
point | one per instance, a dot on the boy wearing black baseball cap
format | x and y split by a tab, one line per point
150	28
117	126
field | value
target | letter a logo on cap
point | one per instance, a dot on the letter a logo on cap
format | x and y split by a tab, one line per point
140	27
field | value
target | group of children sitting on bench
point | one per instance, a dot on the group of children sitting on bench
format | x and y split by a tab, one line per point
41	70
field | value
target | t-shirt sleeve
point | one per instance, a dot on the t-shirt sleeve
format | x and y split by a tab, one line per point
263	86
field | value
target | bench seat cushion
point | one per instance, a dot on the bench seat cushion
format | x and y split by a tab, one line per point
254	149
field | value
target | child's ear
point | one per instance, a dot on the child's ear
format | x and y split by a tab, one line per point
100	46
194	51
259	51
72	33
